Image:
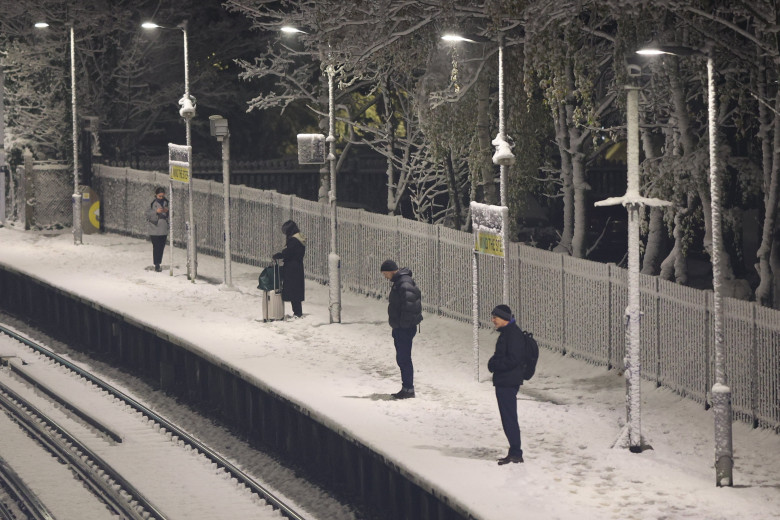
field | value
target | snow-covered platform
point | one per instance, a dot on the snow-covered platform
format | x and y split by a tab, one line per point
448	438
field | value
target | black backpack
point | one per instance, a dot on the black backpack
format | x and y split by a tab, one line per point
531	355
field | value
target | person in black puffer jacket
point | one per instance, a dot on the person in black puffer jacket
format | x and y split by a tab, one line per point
404	313
507	365
293	288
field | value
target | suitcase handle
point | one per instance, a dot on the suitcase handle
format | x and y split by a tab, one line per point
277	277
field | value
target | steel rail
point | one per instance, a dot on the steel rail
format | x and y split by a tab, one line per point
240	476
81	459
24	496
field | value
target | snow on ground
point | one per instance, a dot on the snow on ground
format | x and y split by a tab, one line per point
571	413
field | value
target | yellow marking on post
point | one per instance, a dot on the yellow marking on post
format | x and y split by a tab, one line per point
180	173
488	243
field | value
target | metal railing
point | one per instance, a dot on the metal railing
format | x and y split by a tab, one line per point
572	306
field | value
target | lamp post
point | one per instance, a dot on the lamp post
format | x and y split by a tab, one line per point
76	198
721	393
334	261
633	202
2	147
187	112
503	155
219	129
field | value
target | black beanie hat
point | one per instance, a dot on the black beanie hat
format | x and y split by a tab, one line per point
389	265
503	312
290	228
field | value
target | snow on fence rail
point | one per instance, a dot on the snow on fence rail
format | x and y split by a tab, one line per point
572	306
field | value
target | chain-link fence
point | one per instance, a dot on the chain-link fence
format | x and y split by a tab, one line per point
572	306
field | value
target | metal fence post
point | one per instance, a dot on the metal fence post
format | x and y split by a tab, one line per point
439	277
657	286
563	305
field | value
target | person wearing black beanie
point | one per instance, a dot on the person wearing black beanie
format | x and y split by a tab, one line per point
404	312
506	365
293	287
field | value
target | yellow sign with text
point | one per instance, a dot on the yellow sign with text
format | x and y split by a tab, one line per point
488	243
180	173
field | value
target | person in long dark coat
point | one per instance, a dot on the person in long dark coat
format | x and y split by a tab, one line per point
293	289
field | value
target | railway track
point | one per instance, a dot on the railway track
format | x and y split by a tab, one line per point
17	500
44	371
102	479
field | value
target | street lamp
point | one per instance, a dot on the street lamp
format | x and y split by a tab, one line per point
187	112
334	261
633	202
76	199
721	393
503	155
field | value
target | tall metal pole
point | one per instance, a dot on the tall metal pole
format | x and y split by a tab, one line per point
721	393
170	225
633	312
192	254
2	147
334	262
502	168
226	196
77	233
633	202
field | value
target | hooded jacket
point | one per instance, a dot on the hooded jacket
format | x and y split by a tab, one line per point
404	308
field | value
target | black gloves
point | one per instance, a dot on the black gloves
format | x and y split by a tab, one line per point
277	256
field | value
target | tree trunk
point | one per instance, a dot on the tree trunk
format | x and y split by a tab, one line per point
389	147
766	272
581	188
452	188
577	139
675	266
322	194
656	242
562	139
656	234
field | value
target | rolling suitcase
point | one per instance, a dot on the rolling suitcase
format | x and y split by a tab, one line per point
272	304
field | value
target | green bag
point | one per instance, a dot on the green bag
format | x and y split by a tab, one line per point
270	279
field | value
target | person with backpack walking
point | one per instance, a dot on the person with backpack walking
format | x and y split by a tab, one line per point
404	313
508	368
157	217
293	288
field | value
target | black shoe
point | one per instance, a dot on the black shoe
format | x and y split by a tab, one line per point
510	458
157	268
403	394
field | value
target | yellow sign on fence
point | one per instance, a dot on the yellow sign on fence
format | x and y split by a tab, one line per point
488	243
180	173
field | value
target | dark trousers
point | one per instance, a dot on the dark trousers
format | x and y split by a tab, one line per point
158	246
506	396
402	337
297	308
